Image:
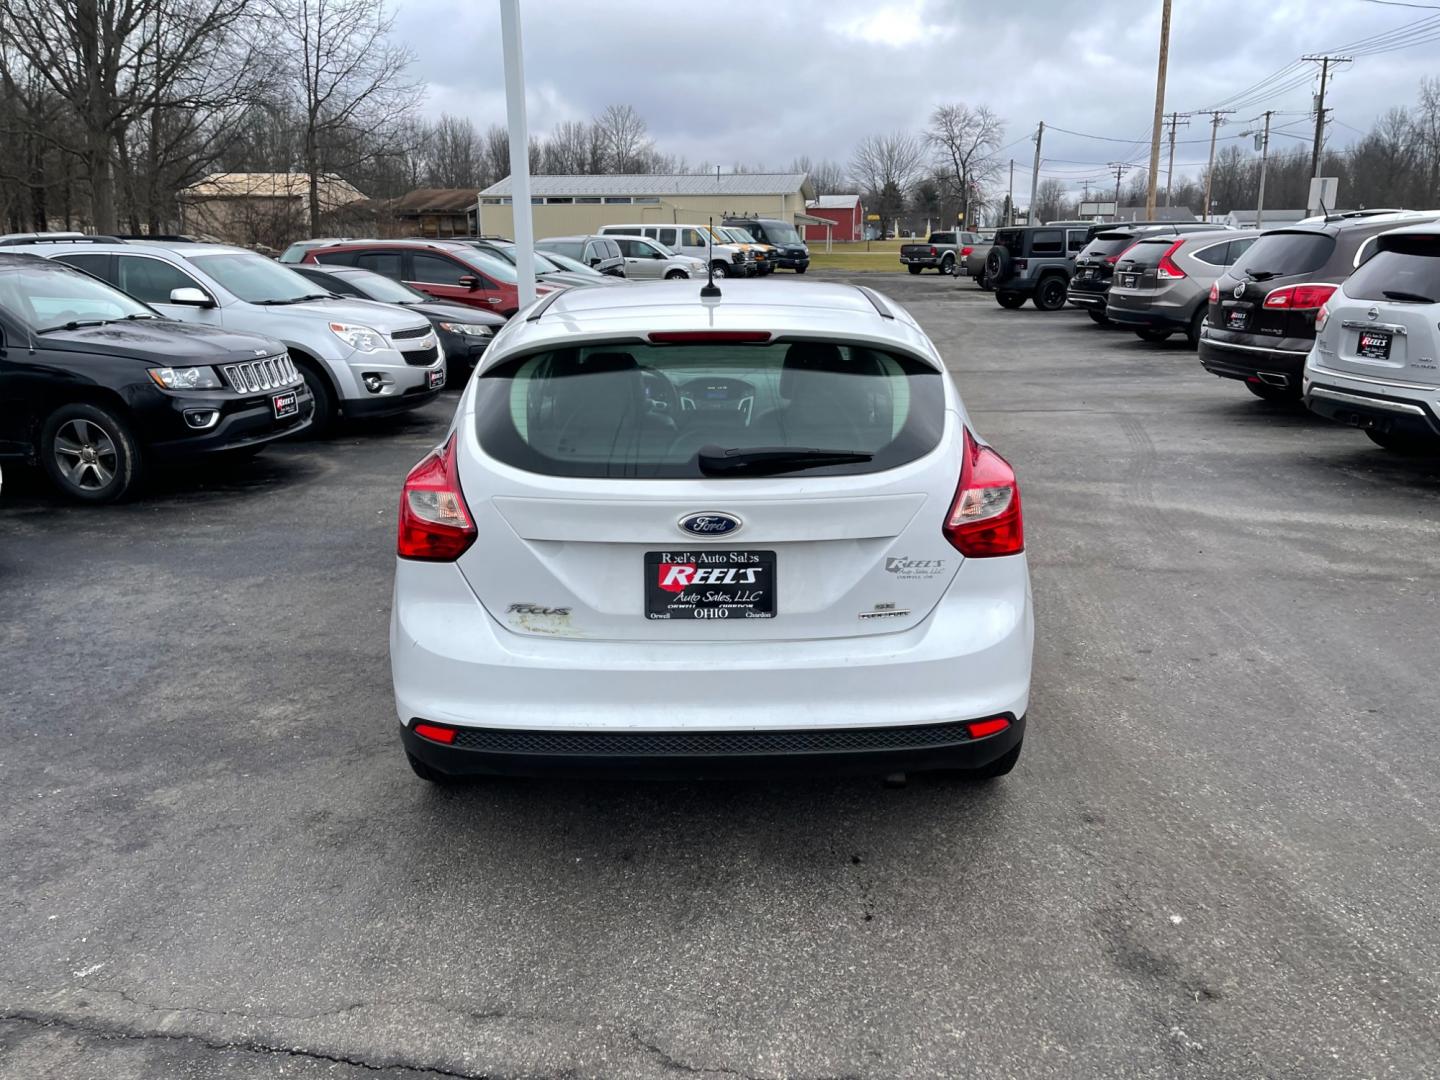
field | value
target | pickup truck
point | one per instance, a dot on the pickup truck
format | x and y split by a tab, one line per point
938	253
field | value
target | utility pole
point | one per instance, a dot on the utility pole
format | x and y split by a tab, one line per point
1215	122
1121	168
1325	62
1159	110
1170	169
1264	158
1010	200
1035	173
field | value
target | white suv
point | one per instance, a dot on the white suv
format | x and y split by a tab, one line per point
1376	359
696	241
679	536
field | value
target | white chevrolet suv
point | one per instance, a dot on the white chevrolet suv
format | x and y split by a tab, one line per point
683	536
1376	359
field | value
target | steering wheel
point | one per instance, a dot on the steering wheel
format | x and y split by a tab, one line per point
661	398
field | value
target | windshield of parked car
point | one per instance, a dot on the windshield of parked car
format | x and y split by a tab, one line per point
737	236
1284	254
1406	271
574	266
50	297
486	263
673	411
257	280
570	248
378	287
781	234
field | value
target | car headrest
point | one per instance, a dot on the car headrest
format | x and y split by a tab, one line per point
601	363
810	356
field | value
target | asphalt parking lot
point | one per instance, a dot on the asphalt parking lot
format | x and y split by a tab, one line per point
1217	857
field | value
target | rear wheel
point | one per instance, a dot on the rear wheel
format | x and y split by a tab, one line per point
676	275
1011	300
1192	333
1405	444
1152	334
1266	392
1050	296
1099	318
915	268
90	453
1000	766
947	266
720	269
319	386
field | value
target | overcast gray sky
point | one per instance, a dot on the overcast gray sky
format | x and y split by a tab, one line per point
762	81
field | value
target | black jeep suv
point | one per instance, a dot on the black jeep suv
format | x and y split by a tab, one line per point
1261	322
94	385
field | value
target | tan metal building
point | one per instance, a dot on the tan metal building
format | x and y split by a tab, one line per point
567	205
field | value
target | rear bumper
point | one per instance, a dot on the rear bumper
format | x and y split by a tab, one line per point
931	261
451	663
1373	403
1158	318
1252	363
1092	299
678	755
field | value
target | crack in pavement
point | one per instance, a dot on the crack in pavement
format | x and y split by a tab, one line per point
675	1065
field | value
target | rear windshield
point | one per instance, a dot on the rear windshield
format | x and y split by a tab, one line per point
1285	254
1148	252
633	410
1012	240
1407	271
1107	244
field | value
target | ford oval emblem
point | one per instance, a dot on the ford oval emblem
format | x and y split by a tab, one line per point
710	523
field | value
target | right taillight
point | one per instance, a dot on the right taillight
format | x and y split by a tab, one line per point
435	523
985	519
965	252
1167	270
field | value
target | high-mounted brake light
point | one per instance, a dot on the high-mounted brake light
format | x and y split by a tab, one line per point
985	519
1167	270
1299	297
435	523
1214	291
691	337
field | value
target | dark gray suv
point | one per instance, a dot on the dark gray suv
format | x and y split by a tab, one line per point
1034	262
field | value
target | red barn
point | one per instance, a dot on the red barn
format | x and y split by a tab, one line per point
844	210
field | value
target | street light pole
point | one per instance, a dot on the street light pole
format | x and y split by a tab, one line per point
521	213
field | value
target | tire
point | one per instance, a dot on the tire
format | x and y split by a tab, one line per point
1192	332
997	264
1404	444
914	268
720	269
1009	300
1050	294
947	267
1152	335
983	281
429	775
90	453
325	413
1099	318
676	275
801	269
1266	392
1001	766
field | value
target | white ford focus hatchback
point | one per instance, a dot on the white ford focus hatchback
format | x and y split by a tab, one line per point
676	536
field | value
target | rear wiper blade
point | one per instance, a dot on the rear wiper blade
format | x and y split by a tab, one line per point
1262	275
718	461
1414	298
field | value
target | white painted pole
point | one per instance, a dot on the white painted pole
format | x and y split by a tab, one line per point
520	207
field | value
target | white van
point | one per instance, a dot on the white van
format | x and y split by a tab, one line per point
695	241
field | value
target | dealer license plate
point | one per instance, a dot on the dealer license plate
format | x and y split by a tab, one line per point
1375	344
1127	281
286	404
1237	319
435	378
709	584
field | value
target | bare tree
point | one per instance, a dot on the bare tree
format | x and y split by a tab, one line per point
895	161
964	142
567	149
1051	198
627	145
351	81
453	153
110	64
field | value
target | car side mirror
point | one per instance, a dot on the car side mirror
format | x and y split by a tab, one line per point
469	281
191	297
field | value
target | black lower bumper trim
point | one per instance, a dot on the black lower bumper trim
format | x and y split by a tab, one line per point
1250	364
1375	412
700	754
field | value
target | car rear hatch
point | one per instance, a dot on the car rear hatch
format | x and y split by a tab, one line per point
1138	278
1383	323
1271	296
1095	266
713	491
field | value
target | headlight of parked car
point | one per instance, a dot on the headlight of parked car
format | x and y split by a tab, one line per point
470	329
360	338
185	378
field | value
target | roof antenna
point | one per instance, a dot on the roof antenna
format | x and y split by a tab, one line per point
710	291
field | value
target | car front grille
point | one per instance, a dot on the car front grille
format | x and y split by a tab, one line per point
401	335
422	357
708	743
267	373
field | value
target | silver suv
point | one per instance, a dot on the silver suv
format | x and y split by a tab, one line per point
1376	360
1034	263
1162	283
358	357
650	259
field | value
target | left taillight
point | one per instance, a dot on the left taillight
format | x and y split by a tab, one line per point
435	523
985	519
1167	270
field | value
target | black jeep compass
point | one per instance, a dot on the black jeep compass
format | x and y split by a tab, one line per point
94	384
